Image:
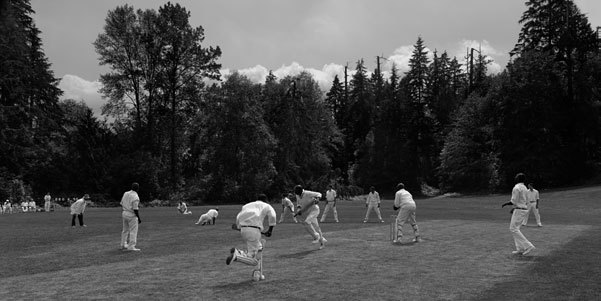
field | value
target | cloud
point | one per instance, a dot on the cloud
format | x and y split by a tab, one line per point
77	88
483	46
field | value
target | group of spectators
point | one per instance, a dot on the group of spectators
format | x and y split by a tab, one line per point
30	205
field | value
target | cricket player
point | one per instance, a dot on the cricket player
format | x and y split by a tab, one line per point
306	203
131	218
533	198
77	209
182	208
47	202
519	199
206	218
403	200
287	206
250	223
330	204
373	203
7	207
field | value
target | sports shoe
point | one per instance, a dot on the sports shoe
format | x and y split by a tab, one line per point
316	241
516	252
540	225
396	241
528	250
196	223
323	240
232	256
130	248
381	221
84	225
417	239
365	221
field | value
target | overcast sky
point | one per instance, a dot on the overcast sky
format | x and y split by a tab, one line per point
288	36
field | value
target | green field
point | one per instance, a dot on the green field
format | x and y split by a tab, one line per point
465	255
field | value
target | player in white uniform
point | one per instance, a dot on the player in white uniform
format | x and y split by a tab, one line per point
287	206
7	207
24	206
373	203
403	200
47	202
208	217
130	203
33	207
250	223
519	199
533	198
306	204
330	204
77	210
182	208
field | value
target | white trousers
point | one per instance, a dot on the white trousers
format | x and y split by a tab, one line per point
252	237
532	208
406	215
129	234
374	207
329	206
517	218
46	206
205	218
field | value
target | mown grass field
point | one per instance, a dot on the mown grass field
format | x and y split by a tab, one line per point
465	255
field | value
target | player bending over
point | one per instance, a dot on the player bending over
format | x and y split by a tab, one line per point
207	218
250	223
183	208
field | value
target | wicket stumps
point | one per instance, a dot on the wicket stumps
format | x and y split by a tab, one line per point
392	232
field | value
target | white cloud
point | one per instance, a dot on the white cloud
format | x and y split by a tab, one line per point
485	48
77	88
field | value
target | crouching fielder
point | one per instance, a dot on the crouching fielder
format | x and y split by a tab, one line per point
306	202
404	200
250	223
207	218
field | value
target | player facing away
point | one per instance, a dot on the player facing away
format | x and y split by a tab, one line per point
130	217
373	203
403	200
519	199
533	198
182	208
306	204
207	218
250	223
330	204
287	206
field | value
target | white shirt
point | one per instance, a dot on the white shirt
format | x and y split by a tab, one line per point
253	214
78	207
533	195
212	213
286	202
330	195
47	198
130	202
306	198
373	197
403	197
32	204
519	196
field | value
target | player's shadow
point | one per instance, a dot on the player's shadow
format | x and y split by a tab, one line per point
524	258
297	255
236	286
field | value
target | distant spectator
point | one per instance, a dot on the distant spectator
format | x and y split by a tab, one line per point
32	205
7	207
77	210
24	206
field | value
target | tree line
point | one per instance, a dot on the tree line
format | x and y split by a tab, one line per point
184	134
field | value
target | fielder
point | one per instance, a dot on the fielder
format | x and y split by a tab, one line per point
131	218
306	202
250	223
77	209
183	208
7	207
206	218
47	202
404	200
287	206
519	199
330	204
533	199
373	203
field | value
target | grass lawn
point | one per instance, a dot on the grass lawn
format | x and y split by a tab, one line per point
465	255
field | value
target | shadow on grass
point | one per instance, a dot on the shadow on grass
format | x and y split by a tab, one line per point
570	273
236	285
298	255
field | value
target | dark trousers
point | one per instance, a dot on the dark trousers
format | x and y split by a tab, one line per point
80	217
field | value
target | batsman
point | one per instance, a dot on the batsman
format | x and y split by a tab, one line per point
250	223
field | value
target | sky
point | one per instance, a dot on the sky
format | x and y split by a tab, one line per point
289	36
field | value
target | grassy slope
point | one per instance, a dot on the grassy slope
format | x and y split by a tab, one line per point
465	255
